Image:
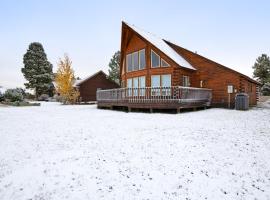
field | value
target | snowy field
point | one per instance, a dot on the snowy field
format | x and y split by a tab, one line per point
79	152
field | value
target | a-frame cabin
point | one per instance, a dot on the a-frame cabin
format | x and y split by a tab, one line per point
154	71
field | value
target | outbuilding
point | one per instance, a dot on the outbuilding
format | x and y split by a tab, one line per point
89	86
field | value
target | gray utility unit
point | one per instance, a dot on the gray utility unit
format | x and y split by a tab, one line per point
241	101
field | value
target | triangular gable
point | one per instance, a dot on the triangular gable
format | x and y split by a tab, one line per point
163	47
89	77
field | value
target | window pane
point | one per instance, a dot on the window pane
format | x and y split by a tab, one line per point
155	84
166	80
142	59
135	57
142	85
129	62
166	84
129	83
164	63
142	81
129	86
155	60
135	86
155	81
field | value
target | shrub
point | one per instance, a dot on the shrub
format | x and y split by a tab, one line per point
43	97
13	95
1	97
266	89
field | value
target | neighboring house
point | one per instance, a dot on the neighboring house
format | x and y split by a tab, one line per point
149	61
89	86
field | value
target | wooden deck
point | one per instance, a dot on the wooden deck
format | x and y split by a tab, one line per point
175	97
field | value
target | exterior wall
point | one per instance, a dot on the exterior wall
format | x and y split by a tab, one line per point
88	88
136	43
213	75
217	78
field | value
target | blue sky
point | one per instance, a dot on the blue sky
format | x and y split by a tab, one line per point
233	33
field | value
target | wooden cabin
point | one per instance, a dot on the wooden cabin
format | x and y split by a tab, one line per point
89	86
156	73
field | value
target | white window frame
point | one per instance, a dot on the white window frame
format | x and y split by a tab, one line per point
166	91
129	80
127	68
142	88
135	87
152	58
140	59
162	60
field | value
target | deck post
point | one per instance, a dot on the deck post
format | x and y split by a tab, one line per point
129	109
178	110
151	110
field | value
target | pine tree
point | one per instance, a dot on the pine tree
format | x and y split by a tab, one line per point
37	69
262	69
65	80
114	67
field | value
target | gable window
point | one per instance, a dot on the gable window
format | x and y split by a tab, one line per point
186	82
142	59
135	61
164	63
155	59
129	62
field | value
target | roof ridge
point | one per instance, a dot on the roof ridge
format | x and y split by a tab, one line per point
160	44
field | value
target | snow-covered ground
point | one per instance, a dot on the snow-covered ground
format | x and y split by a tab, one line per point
79	152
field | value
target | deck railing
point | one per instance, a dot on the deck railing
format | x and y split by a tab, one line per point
176	94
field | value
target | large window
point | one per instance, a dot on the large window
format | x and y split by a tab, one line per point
186	82
155	59
142	85
129	86
135	86
166	84
163	81
136	61
142	59
129	62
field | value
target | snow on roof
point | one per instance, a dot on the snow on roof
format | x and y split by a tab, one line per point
163	46
78	82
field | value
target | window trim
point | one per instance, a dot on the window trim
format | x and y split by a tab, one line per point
132	60
140	59
158	59
168	65
130	54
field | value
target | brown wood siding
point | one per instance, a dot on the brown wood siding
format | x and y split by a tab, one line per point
217	78
213	75
89	87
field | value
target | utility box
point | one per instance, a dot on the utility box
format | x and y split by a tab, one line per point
241	101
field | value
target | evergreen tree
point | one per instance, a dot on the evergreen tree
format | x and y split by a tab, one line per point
114	67
262	69
37	69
